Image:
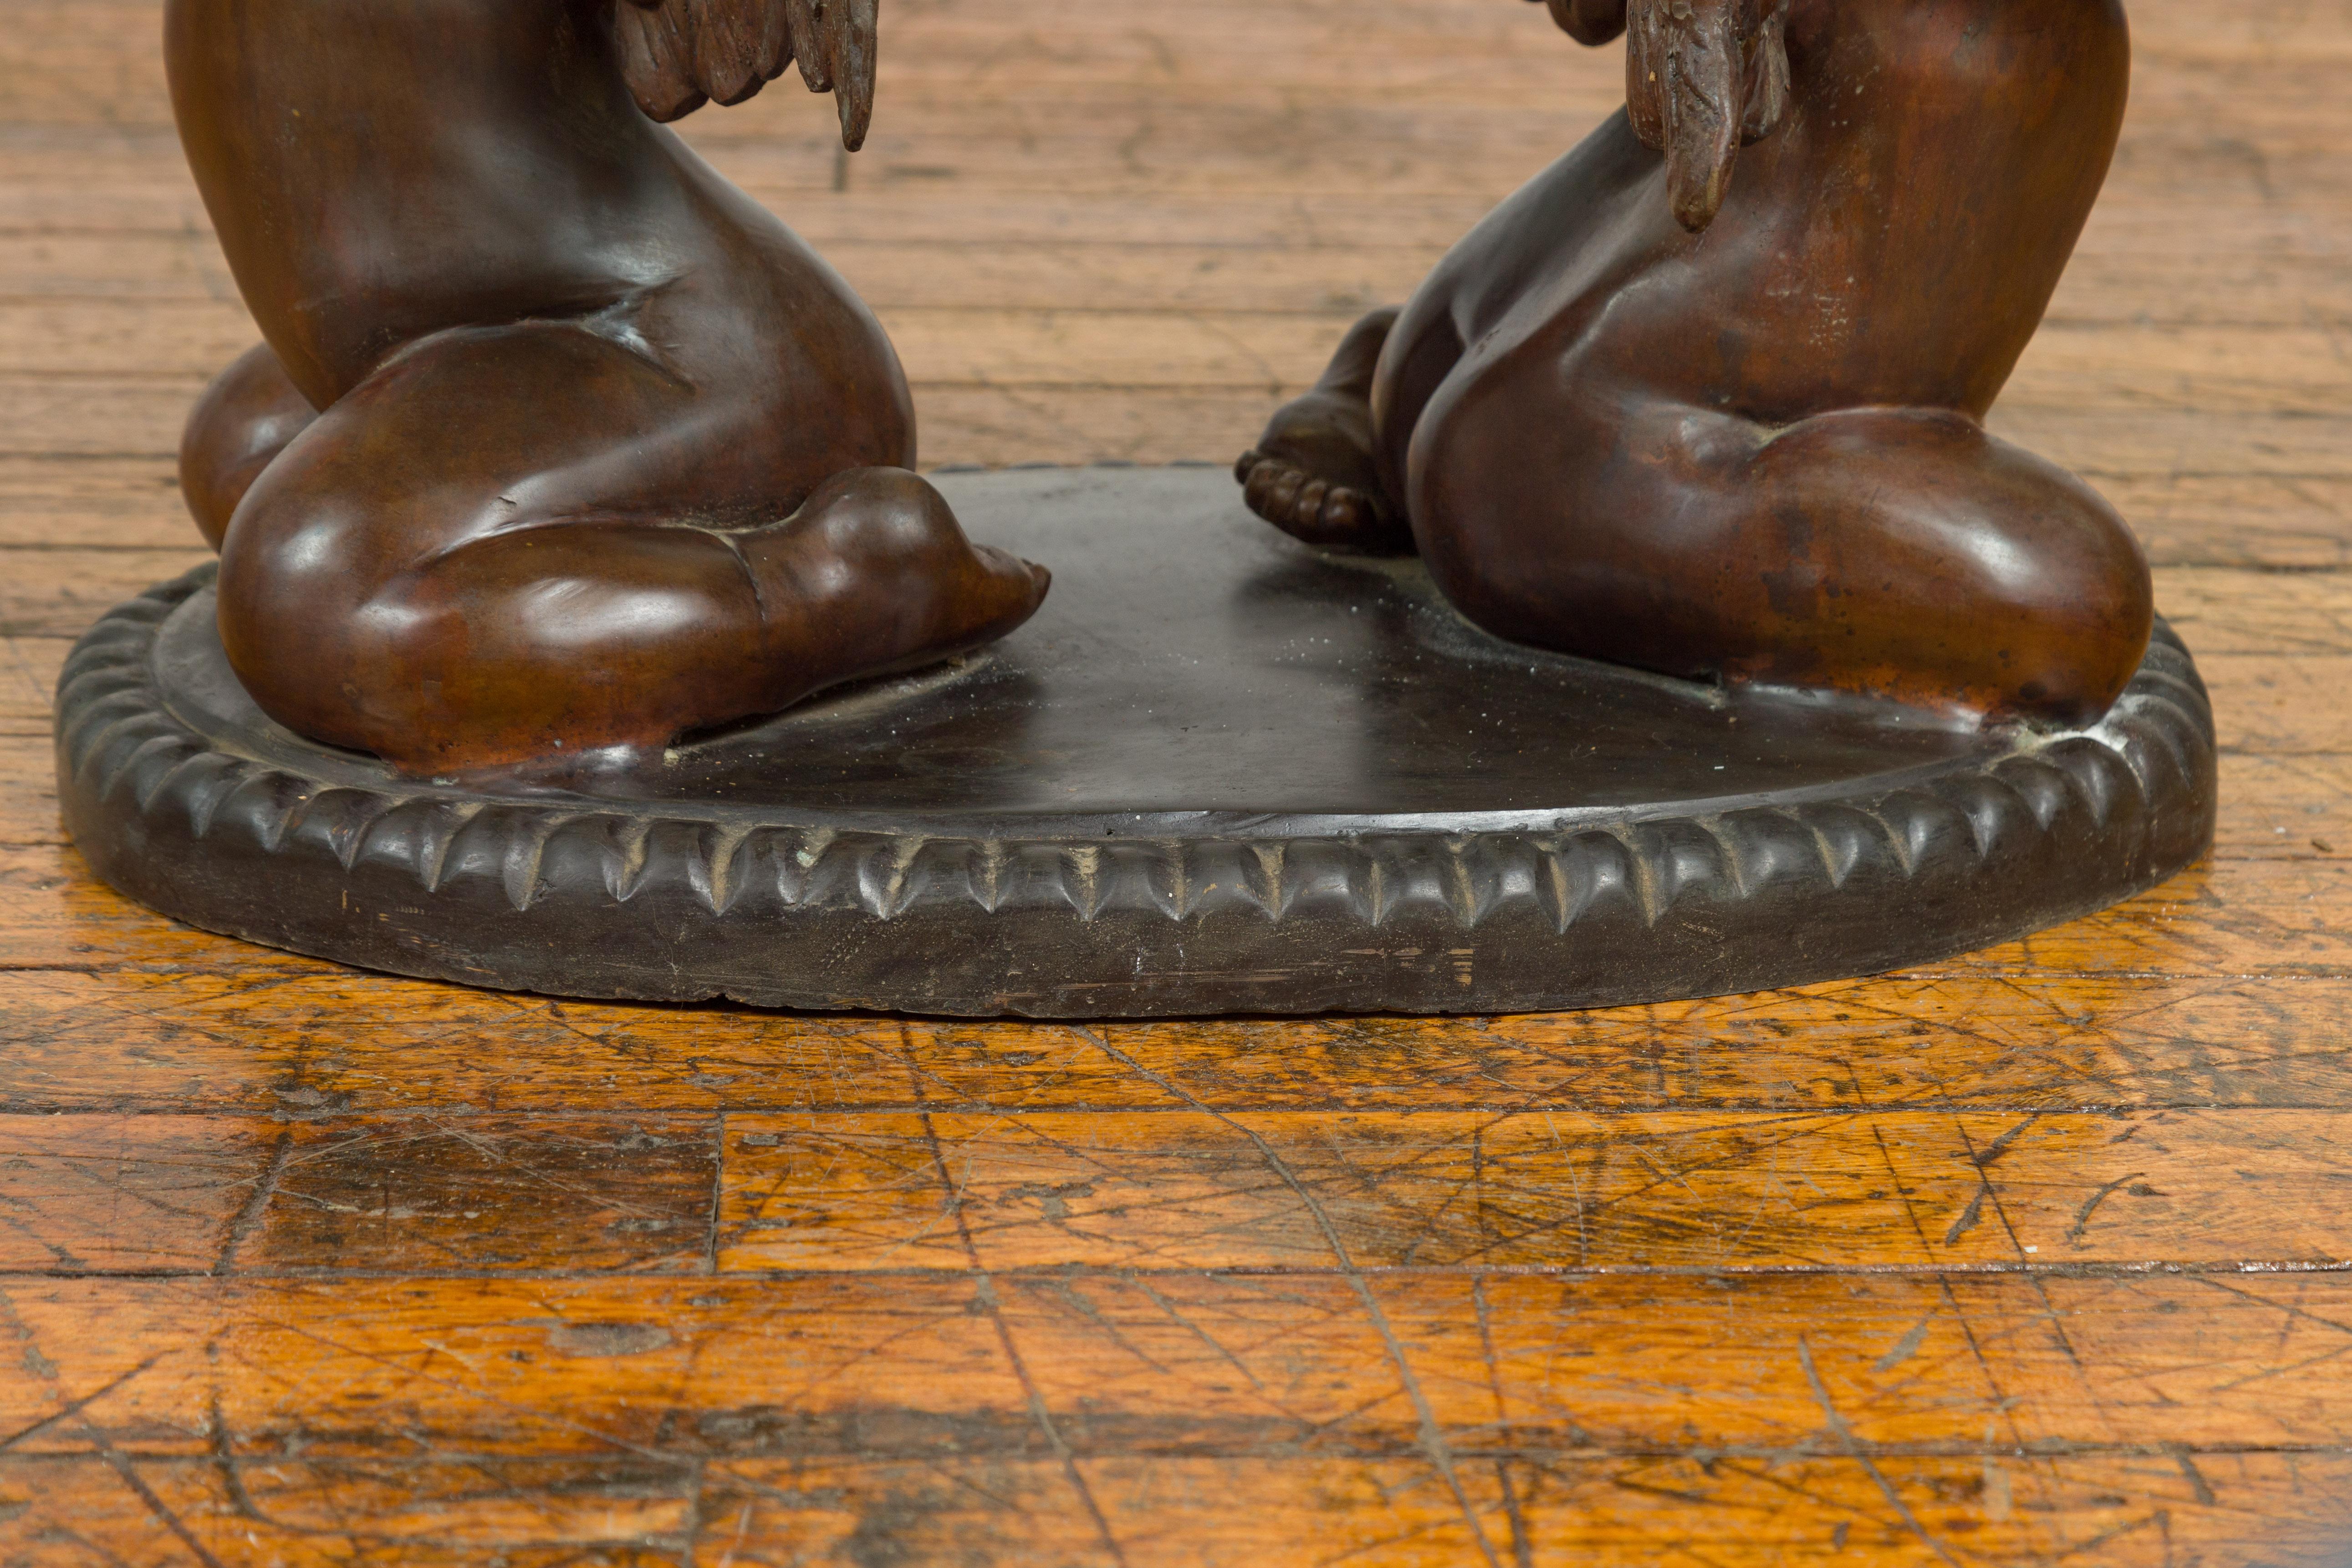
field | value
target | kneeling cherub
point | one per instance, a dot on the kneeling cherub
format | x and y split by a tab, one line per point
1718	413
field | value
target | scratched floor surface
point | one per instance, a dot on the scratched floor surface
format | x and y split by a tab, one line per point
2035	1256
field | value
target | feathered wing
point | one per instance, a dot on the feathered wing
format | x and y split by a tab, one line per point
1703	79
679	55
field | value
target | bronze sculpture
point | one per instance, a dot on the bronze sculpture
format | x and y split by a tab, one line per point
1718	413
558	443
561	452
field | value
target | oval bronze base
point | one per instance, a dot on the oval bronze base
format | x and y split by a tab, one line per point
1219	773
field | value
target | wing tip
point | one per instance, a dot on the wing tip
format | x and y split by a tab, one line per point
679	55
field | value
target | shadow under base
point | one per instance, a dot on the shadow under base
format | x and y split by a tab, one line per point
1219	773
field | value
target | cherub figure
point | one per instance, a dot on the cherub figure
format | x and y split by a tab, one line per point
558	442
1718	412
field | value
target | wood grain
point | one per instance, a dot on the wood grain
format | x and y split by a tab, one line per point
1191	1418
2036	1256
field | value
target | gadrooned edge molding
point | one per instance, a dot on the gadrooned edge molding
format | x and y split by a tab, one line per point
2093	817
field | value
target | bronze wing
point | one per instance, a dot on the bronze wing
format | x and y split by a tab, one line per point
1703	77
679	55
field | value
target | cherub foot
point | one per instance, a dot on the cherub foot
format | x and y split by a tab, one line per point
1313	474
873	574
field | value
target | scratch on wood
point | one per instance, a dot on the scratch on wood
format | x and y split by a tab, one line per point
1522	1543
1854	1450
76	1407
1966	1220
1906	1347
2074	1232
146	1494
1176	1315
986	1286
1433	1434
257	1203
2000	1145
718	1192
2193	1476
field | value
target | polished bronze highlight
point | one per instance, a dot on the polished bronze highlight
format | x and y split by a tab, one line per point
1720	412
558	442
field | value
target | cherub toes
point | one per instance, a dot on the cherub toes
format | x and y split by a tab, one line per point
558	443
1718	412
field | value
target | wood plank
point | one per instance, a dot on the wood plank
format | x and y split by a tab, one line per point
1181	1190
58	593
2280	706
107	1194
1020	1509
1390	49
1426	1190
100	503
288	1042
2289	807
2279	523
292	1513
2223	612
629	1194
29	668
2211	133
1219	1365
60	421
915	204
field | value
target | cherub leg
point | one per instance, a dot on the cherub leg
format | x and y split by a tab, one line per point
1904	554
244	420
478	559
1313	474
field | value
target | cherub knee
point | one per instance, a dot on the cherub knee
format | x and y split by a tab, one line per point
2060	607
1975	573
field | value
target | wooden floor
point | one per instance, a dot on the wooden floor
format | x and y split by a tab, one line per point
2038	1256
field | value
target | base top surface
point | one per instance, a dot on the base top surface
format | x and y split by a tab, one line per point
1192	660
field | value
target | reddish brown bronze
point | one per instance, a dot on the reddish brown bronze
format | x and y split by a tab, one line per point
1718	412
558	442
